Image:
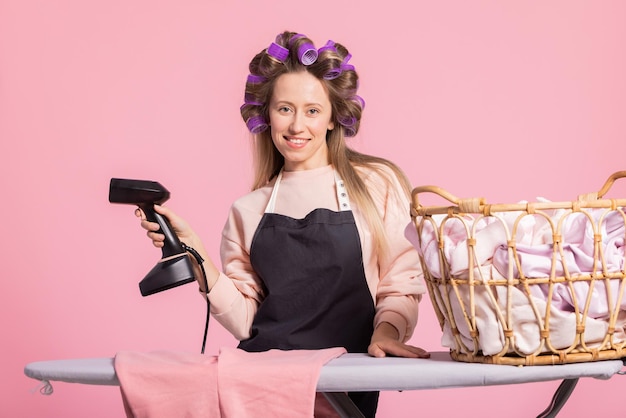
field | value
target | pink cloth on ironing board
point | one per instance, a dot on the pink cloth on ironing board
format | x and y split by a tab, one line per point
236	383
274	383
167	384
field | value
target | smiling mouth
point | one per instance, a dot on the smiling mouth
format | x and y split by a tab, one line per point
297	140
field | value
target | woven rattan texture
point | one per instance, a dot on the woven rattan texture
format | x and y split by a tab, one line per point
506	312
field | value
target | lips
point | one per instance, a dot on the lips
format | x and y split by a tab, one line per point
297	141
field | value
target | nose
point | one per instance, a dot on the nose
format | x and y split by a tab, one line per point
297	122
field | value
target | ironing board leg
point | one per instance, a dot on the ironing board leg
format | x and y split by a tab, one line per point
343	404
561	396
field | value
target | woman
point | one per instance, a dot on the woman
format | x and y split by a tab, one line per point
315	256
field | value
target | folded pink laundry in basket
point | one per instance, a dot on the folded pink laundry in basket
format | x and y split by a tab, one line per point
236	383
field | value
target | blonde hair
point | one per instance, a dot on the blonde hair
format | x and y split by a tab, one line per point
347	109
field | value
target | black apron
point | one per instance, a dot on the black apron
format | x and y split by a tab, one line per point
316	291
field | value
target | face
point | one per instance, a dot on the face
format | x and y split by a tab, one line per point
300	115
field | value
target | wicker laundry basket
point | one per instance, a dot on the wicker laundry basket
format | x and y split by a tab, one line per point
529	283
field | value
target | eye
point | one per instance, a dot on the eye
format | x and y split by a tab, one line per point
284	109
313	111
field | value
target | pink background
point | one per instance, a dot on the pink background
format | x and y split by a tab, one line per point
506	100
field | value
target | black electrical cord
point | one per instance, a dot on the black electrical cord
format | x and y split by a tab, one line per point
200	261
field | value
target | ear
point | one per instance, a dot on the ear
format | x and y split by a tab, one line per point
331	125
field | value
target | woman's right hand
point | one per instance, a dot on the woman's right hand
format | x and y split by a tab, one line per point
178	224
186	235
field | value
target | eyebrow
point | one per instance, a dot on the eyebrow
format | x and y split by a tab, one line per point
291	104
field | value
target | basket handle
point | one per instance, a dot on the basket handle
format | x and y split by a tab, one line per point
465	205
607	186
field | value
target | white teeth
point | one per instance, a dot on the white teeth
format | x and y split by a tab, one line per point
297	141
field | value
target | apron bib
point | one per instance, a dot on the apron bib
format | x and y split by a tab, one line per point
312	269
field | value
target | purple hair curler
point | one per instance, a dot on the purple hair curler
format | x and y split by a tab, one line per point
248	98
330	46
256	124
333	74
347	67
344	66
307	54
348	121
279	52
336	72
293	38
359	99
255	79
349	131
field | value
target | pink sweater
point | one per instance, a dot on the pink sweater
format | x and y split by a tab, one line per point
396	283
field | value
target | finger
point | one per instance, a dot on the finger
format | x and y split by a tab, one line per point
419	352
140	214
163	210
158	240
412	352
169	214
399	349
375	351
150	226
155	237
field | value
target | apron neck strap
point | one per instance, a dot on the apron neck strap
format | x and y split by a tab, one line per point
342	195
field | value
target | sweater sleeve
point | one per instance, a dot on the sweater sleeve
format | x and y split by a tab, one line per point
236	295
400	280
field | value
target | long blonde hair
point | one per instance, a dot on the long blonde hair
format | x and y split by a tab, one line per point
347	108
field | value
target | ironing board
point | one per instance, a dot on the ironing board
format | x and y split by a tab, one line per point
360	372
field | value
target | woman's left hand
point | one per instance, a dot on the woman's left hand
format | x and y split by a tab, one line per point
385	342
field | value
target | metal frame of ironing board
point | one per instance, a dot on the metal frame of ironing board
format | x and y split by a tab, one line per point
360	372
347	409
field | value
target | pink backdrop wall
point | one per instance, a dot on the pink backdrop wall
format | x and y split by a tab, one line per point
506	100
